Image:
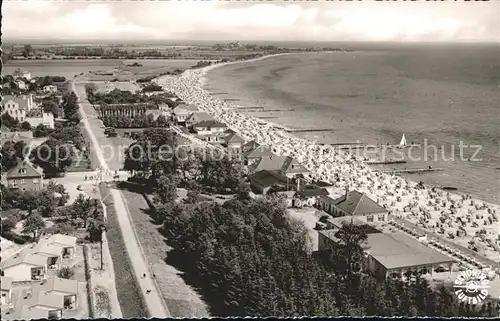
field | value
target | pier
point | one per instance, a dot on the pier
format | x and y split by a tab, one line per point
385	162
412	170
293	130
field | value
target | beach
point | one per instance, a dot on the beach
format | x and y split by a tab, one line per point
443	95
431	208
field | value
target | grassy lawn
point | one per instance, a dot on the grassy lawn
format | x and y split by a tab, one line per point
129	293
181	299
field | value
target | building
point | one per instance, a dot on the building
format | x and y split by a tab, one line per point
252	151
213	138
209	127
287	165
65	242
50	302
233	140
310	196
40	118
393	254
354	204
68	289
6	290
50	89
25	266
20	84
25	176
198	117
182	112
17	107
262	181
51	252
18	73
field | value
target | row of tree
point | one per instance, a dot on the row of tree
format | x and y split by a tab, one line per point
140	121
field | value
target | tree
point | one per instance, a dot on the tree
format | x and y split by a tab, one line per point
49	106
81	209
166	189
42	131
91	89
95	228
26	125
27	50
8	224
46	203
65	273
53	156
33	224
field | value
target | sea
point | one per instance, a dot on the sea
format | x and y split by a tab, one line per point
444	97
441	96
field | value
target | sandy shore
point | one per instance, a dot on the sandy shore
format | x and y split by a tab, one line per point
477	222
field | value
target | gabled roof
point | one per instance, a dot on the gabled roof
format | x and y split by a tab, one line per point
25	312
357	203
269	163
49	249
6	283
291	165
311	192
46	299
254	150
60	240
233	138
197	117
30	170
21	100
17	136
268	178
185	109
55	284
24	257
210	123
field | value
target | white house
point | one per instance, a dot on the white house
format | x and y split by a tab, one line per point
209	127
53	254
17	107
182	112
41	117
65	242
68	289
233	140
18	73
24	266
50	89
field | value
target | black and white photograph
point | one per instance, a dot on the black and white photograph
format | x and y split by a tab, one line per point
206	159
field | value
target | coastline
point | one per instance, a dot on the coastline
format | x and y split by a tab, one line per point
346	171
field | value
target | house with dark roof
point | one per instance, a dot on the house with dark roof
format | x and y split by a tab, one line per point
25	176
355	204
287	165
252	151
262	181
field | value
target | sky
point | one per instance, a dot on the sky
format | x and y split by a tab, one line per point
367	20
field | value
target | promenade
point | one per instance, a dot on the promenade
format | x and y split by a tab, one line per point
154	301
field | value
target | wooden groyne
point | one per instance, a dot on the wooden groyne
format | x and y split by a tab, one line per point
293	130
413	170
385	162
250	108
231	99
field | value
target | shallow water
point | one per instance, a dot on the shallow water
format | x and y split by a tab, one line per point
446	95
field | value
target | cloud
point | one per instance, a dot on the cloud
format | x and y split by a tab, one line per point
323	21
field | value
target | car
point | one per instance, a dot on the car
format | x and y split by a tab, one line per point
79	187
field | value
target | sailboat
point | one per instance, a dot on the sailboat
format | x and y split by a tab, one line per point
403	142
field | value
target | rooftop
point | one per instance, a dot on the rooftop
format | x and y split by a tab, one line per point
311	192
397	250
68	287
268	178
210	123
25	169
253	150
45	248
27	257
30	313
357	203
61	240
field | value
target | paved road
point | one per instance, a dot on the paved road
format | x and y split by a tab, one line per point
154	301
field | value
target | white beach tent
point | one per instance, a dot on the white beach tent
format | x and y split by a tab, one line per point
403	141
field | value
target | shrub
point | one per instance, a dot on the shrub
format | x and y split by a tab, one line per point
66	273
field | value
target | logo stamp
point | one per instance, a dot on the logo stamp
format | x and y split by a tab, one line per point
472	286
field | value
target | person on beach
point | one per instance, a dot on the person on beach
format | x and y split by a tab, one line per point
143	275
